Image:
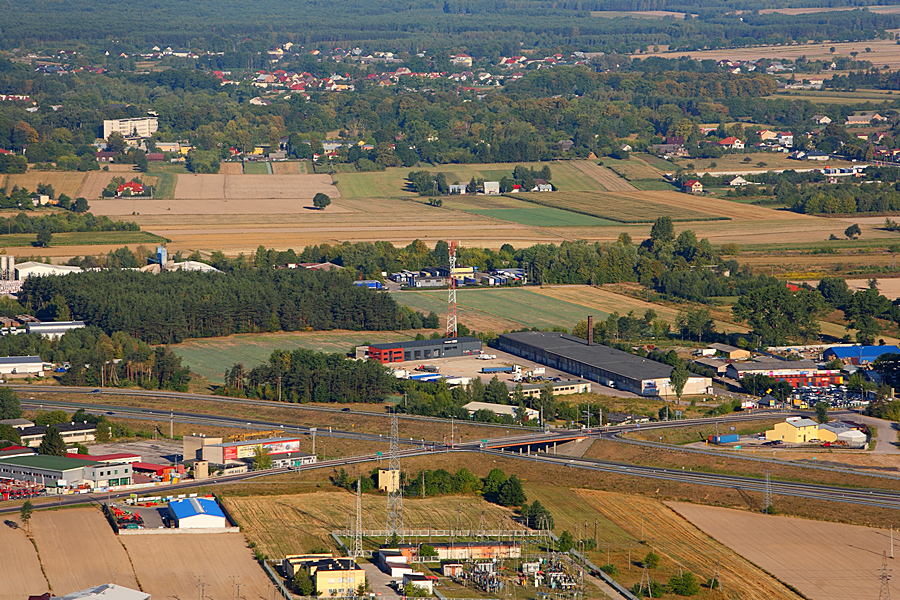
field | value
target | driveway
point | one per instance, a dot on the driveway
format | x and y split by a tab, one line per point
886	440
378	581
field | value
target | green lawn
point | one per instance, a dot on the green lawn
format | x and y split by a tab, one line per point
652	184
515	304
256	168
165	186
543	217
83	238
210	357
155	168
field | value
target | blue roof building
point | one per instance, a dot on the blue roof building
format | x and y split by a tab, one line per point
197	513
858	355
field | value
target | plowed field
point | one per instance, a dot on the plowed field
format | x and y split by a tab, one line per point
20	570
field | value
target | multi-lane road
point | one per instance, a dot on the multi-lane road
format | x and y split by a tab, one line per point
529	439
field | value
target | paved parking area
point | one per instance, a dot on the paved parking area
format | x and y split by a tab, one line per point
378	581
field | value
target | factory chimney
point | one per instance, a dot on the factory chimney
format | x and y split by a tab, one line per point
591	330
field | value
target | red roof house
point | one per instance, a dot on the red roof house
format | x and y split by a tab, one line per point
134	188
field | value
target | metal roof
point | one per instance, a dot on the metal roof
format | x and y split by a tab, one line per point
253	442
774	365
51	463
192	507
20	360
428	343
868	353
803	423
107	591
603	357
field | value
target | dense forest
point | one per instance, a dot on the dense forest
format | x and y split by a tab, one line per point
172	306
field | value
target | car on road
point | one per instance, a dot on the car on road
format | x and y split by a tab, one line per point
345	410
109	412
97	391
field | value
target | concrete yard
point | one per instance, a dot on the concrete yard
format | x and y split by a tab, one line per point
824	561
160	452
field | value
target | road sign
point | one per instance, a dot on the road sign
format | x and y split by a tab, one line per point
732	428
379	454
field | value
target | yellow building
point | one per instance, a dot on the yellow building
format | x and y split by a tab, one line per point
795	430
337	576
292	562
389	481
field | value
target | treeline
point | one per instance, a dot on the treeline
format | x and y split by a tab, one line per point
172	306
843	198
873	78
63	223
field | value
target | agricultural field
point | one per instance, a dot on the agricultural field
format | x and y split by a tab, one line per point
606	180
826	561
499	309
293	167
20	568
82	238
636	167
210	357
69	571
231	168
63	182
168	565
93	184
735	163
257	168
292	524
567	176
511	208
628	527
837	97
884	52
251	187
629	206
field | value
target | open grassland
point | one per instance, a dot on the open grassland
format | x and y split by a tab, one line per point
63	182
69	570
630	526
168	566
884	52
608	302
82	238
732	163
255	168
628	206
165	185
392	182
826	561
210	357
487	309
637	14
20	568
512	208
292	524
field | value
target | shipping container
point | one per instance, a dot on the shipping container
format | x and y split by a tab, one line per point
497	369
724	439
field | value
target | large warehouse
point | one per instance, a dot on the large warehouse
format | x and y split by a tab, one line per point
239	452
597	362
197	513
64	472
424	349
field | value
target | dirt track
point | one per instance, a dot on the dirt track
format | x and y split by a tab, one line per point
79	550
825	561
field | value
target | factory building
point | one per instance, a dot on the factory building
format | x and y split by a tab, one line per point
596	362
21	365
837	431
229	453
53	330
72	433
37	269
858	355
560	388
423	349
60	472
503	409
488	550
796	372
107	591
794	430
197	513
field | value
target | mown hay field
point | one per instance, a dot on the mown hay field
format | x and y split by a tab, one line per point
293	167
251	187
20	569
512	208
102	558
293	524
63	182
168	566
231	168
627	206
256	168
633	168
605	179
826	561
210	357
83	238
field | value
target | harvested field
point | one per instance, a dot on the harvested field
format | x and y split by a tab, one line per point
606	179
69	571
231	168
292	524
20	569
293	167
734	163
251	187
631	206
609	302
168	566
633	168
94	184
825	561
63	182
511	208
210	357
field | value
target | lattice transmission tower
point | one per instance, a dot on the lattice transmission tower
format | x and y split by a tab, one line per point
395	491
885	592
451	300
357	533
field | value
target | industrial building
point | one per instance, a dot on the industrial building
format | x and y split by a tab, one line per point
796	372
56	471
500	410
419	581
487	550
730	352
142	127
858	355
393	562
37	269
560	388
53	330
21	365
107	591
423	349
197	513
339	577
794	430
597	362
72	433
238	452
842	432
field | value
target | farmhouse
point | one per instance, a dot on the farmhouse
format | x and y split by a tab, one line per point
821	120
596	362
864	119
492	188
737	180
858	355
197	513
423	349
794	430
692	186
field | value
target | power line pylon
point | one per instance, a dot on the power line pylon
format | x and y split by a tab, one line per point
885	592
357	534
395	491
767	497
451	300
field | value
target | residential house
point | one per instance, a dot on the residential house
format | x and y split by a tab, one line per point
732	143
786	139
461	60
821	120
692	186
767	134
105	156
675	140
492	188
864	119
737	181
131	188
458	189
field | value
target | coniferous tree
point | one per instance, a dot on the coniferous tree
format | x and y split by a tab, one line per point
52	443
